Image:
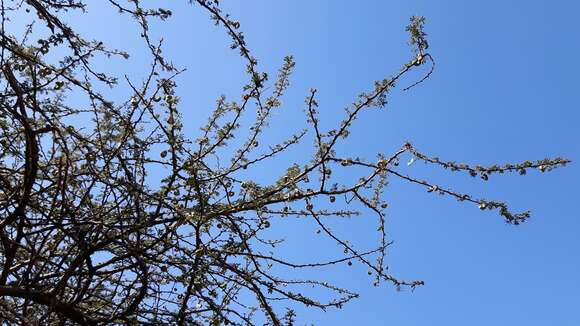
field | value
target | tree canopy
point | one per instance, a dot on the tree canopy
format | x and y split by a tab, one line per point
111	214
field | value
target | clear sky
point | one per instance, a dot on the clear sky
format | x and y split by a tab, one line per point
505	90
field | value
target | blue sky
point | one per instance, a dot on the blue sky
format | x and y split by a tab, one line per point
505	90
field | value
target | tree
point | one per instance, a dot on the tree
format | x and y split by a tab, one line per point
110	214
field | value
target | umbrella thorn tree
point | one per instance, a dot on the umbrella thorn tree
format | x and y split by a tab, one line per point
110	214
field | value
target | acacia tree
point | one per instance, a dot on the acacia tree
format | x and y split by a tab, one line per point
92	235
